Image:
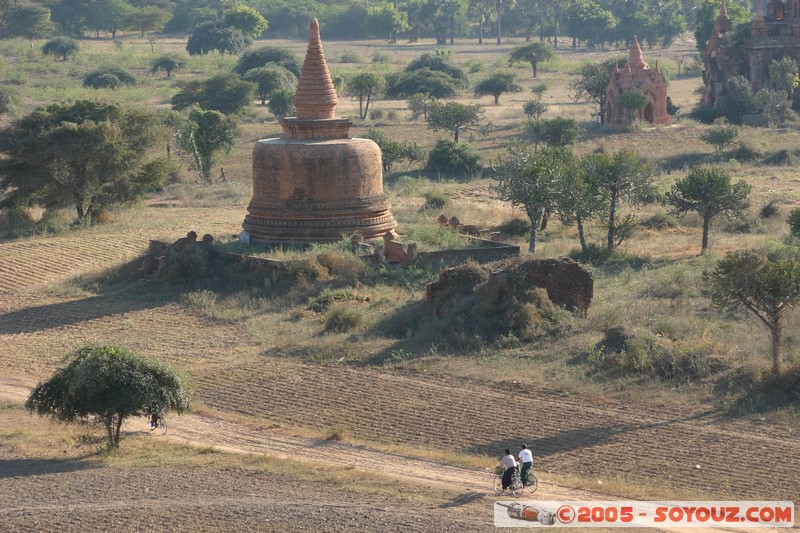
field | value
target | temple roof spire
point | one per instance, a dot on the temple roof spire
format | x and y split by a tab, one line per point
315	98
636	61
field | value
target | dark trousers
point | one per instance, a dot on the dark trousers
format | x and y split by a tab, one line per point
507	477
524	473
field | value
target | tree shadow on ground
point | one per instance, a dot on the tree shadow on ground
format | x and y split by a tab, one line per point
36	467
464	499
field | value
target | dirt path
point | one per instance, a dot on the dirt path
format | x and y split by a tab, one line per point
226	436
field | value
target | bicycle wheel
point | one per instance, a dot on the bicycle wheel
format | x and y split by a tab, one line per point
533	483
498	484
516	486
162	426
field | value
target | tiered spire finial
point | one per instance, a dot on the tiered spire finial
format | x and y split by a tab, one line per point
636	61
315	98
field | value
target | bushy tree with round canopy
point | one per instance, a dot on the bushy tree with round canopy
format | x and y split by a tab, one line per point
213	35
227	93
110	383
281	103
270	78
168	63
63	47
30	21
365	87
422	81
260	57
533	53
590	82
709	192
108	78
455	117
83	154
632	101
205	137
498	84
246	19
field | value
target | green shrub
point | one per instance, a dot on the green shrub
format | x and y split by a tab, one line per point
794	222
328	297
391	114
185	266
660	221
350	56
18	222
454	159
342	319
770	210
376	114
746	152
434	200
381	57
307	271
515	227
341	265
108	78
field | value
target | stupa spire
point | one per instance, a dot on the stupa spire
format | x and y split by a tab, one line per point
636	62
315	98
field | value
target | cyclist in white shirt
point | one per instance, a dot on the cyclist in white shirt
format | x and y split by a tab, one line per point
526	458
510	465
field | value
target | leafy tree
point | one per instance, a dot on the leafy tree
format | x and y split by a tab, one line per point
384	20
558	131
439	61
108	15
60	46
281	103
773	105
533	53
580	198
167	63
110	383
455	117
210	36
767	285
260	57
586	20
590	82
632	101
737	100
720	137
269	79
624	175
482	12
454	159
245	19
393	151
108	78
709	192
187	16
366	87
794	222
422	81
147	19
419	104
500	7
534	108
85	154
227	93
30	21
531	180
498	84
783	75
205	137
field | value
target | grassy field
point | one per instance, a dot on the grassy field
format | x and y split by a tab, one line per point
265	349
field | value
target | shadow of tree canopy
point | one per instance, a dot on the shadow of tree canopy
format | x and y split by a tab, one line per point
10	468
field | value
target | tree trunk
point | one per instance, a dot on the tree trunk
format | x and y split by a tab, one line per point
496	99
366	109
452	29
361	107
574	42
777	338
533	67
480	32
117	430
581	235
109	423
611	226
499	32
455	135
706	224
534	215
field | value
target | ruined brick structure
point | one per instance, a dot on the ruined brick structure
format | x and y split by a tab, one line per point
636	74
774	34
315	183
566	282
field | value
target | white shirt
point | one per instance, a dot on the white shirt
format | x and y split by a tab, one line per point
525	456
508	461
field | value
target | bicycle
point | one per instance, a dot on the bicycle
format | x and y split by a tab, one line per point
160	427
517	487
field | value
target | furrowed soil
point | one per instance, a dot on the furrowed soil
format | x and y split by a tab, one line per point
268	403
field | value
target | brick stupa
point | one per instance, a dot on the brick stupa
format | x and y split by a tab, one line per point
637	75
316	183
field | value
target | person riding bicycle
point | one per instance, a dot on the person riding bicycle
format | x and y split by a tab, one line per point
526	458
154	419
510	465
